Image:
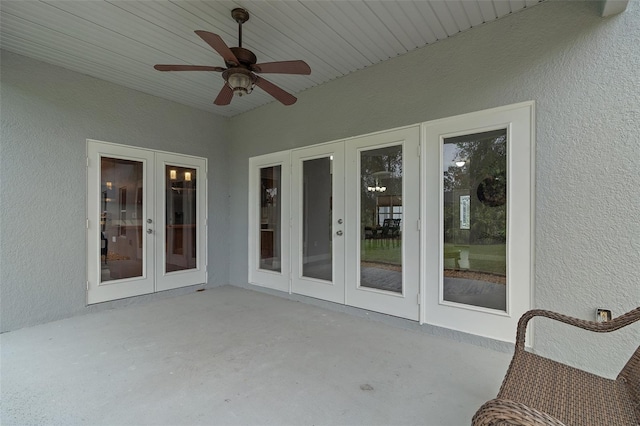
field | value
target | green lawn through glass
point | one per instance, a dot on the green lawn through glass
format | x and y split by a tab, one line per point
488	258
382	251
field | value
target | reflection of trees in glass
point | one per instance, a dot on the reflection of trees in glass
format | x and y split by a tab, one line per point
385	166
483	177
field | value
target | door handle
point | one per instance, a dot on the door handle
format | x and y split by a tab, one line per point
339	233
149	231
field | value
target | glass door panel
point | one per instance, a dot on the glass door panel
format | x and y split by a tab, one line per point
270	218
180	218
381	218
317	236
475	219
121	240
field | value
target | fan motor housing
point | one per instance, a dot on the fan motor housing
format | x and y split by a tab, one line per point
244	56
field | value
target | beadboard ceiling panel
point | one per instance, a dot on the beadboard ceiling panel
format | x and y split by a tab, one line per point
120	41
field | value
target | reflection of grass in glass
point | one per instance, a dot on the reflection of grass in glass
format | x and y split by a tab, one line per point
384	251
489	258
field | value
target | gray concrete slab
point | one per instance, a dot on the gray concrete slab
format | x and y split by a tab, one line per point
229	356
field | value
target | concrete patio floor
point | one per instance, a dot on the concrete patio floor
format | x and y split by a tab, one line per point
230	356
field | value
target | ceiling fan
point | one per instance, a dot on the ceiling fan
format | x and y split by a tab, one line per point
240	74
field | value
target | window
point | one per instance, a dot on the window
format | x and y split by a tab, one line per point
477	211
475	227
270	218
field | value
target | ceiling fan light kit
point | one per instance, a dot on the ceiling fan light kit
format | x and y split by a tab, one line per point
239	80
240	74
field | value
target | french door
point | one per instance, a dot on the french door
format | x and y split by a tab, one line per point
146	221
432	222
383	251
318	211
354	210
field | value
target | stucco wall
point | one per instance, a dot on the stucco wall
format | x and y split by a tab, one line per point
47	114
582	71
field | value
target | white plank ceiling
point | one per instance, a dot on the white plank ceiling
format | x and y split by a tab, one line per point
120	41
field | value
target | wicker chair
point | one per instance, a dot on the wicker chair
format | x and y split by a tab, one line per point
539	391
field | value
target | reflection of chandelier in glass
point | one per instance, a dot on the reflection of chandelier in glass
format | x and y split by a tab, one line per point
376	188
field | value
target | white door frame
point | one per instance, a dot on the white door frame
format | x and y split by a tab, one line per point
153	278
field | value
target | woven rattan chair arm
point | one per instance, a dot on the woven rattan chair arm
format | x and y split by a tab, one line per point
598	327
505	411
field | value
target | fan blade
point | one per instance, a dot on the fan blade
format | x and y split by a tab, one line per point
283	67
187	68
284	97
225	95
215	41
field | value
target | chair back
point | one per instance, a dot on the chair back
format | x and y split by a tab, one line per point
630	375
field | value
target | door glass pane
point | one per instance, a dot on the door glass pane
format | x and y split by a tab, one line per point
316	221
180	218
270	192
381	218
121	239
475	219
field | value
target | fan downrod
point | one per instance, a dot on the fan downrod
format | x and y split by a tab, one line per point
241	16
